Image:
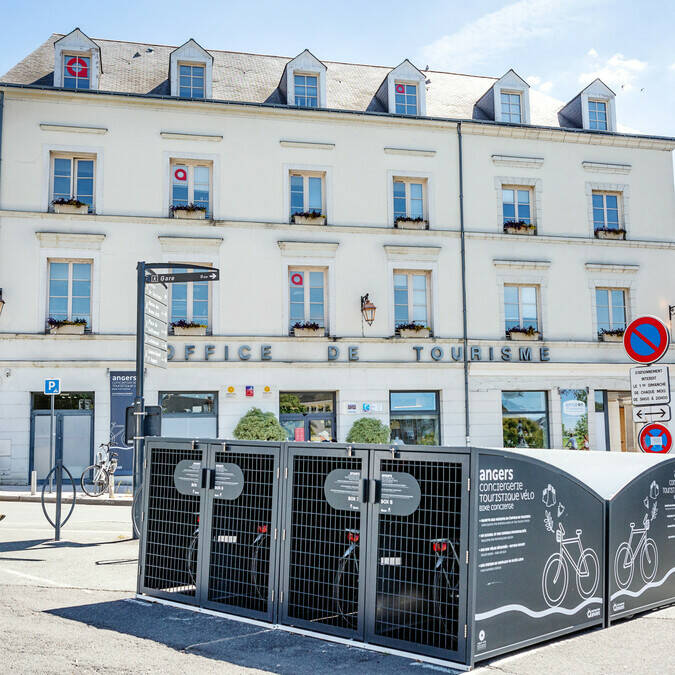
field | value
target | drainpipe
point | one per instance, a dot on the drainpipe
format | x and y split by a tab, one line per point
465	349
2	109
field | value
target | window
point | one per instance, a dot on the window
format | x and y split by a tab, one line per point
605	211
409	199
73	178
511	108
414	417
306	294
189	414
191	83
191	184
525	419
406	98
308	415
189	300
520	307
411	298
610	306
516	203
70	291
76	71
306	87
597	115
307	193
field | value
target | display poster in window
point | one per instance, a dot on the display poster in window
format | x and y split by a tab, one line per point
574	408
122	392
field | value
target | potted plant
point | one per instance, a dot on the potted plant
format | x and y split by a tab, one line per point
62	205
611	335
309	218
610	233
523	334
413	330
308	329
183	327
519	227
189	211
66	327
368	430
403	223
257	425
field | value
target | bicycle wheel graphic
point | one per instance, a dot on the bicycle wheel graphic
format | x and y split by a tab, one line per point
554	580
623	566
587	584
649	561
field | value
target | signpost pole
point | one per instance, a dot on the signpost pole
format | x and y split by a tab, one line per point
139	404
52	445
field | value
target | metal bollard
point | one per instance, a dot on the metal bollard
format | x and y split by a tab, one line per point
111	487
59	481
33	482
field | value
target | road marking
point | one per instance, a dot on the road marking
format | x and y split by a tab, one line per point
42	580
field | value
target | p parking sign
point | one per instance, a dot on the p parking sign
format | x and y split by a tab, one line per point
52	387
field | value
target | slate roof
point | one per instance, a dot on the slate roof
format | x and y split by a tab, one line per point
138	68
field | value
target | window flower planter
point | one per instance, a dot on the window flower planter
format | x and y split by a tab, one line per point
71	208
309	332
523	336
189	330
604	336
189	214
414	333
309	219
603	233
411	224
520	228
67	329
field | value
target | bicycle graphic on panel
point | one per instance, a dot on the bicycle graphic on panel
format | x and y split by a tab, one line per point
626	555
572	554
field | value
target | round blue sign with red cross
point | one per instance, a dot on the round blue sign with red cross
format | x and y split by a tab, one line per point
646	339
655	438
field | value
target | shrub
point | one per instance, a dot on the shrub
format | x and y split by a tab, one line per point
368	430
257	425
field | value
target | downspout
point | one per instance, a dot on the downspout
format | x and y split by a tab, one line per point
465	349
2	110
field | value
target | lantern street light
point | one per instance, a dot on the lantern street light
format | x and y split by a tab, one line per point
367	309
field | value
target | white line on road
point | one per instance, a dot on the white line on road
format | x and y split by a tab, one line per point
42	580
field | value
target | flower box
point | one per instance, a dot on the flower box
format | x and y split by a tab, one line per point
68	329
610	337
189	330
610	234
520	336
411	224
189	214
71	208
302	219
512	228
412	333
309	332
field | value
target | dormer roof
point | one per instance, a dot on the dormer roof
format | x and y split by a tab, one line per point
404	71
574	113
77	40
307	63
488	105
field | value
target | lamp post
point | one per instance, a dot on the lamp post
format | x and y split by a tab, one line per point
367	312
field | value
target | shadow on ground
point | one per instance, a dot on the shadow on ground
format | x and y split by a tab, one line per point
27	544
234	642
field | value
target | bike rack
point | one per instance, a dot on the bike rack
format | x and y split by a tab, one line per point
58	523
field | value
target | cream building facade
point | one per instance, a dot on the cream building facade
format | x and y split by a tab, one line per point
313	184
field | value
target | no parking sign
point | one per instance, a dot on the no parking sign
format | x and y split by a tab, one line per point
646	339
655	438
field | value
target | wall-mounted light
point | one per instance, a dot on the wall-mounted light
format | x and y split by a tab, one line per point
671	308
367	309
2	302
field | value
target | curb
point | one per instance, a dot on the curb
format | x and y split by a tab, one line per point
51	499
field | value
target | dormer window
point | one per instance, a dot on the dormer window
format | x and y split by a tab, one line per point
77	62
507	100
191	81
511	110
406	98
593	108
303	82
306	90
76	71
597	115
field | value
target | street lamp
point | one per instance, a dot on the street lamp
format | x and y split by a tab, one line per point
367	309
2	302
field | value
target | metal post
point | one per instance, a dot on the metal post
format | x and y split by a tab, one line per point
52	444
57	519
33	482
139	404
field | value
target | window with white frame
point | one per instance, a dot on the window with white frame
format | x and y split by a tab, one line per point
69	290
411	298
306	90
76	71
521	308
306	296
191	185
409	199
405	98
611	310
191	80
597	115
73	179
606	210
511	108
516	204
307	193
189	301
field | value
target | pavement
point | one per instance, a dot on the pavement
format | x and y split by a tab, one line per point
70	606
22	493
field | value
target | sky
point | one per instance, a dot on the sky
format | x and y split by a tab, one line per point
558	46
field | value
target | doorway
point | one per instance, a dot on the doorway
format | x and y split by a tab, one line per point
308	415
619	417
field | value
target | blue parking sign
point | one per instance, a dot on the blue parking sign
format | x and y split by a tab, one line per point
52	387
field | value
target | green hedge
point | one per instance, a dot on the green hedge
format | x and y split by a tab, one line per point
368	430
257	425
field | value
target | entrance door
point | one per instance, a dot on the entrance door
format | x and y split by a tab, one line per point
308	415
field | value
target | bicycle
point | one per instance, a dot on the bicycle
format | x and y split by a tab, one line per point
441	574
348	566
258	547
101	472
624	561
584	562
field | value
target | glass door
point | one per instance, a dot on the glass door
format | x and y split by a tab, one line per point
308	415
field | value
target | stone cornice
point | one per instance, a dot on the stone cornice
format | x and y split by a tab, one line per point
70	240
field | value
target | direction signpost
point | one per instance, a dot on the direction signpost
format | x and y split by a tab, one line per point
651	413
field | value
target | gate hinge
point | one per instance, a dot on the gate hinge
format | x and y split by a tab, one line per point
467	556
283	534
285	472
275	534
194	445
224	447
468	485
466	630
349	451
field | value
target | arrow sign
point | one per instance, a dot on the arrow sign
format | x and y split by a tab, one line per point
206	275
646	339
651	413
655	438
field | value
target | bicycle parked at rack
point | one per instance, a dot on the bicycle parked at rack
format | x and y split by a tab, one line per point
626	555
95	478
346	581
444	591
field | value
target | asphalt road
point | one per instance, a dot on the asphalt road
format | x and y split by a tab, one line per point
69	607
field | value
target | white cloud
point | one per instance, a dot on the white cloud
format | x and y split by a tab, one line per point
546	86
672	66
618	73
592	53
507	28
535	81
